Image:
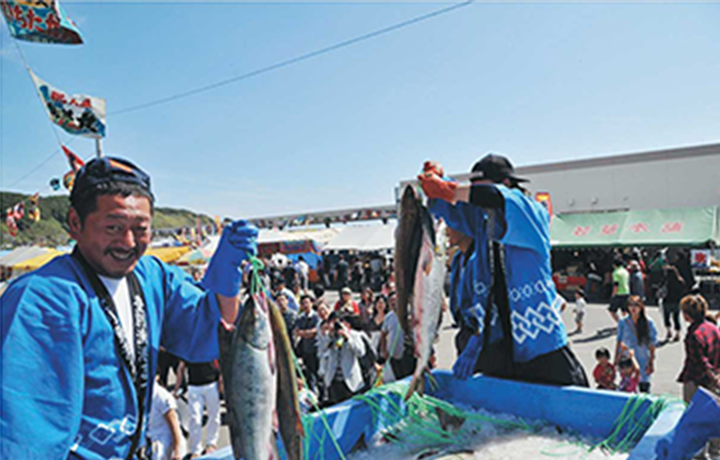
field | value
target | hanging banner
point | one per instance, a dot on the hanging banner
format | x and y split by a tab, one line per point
544	199
18	211
69	180
76	113
33	211
11	223
40	21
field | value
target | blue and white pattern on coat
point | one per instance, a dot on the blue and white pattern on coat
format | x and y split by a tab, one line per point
545	318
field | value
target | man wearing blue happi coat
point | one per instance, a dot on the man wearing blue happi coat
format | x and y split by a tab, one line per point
509	295
80	336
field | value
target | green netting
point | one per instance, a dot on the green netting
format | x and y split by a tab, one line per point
419	421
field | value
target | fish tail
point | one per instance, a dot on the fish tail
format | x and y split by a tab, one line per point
417	384
434	385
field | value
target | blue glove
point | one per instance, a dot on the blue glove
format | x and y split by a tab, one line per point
237	243
465	364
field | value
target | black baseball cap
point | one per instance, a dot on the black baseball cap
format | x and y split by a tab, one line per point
99	171
496	168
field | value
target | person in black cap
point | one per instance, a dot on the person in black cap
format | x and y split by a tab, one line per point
513	306
81	334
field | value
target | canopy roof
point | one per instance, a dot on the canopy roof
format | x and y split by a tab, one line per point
22	254
658	227
36	262
168	254
364	238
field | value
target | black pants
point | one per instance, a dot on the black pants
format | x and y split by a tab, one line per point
166	361
310	361
496	361
671	310
338	392
404	366
559	367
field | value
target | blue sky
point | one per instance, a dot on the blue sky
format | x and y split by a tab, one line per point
537	82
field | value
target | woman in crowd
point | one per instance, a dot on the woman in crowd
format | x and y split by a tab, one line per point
374	324
366	305
637	332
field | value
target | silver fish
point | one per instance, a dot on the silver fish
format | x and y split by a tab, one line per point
250	376
427	294
408	237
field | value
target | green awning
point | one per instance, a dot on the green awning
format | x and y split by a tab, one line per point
691	227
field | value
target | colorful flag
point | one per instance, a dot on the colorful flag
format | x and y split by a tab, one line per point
33	211
75	113
40	21
544	199
75	162
18	211
11	223
69	180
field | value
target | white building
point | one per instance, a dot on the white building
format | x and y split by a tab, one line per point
687	177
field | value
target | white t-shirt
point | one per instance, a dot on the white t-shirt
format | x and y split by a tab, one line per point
303	268
162	402
118	289
580	305
394	331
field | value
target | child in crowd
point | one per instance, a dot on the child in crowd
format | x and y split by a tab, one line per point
604	372
163	430
629	373
580	305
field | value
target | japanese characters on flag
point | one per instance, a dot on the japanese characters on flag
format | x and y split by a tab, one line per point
77	114
40	21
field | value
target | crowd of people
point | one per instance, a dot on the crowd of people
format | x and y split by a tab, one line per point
82	336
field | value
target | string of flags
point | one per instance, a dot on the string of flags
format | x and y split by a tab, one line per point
45	21
341	217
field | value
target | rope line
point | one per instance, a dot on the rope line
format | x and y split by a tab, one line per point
293	60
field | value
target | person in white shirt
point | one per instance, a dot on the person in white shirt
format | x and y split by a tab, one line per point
340	349
393	344
580	305
303	270
163	431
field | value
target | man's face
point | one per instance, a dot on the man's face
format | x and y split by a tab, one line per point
306	304
346	297
392	302
282	302
115	235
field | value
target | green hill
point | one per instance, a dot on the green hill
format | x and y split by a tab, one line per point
51	229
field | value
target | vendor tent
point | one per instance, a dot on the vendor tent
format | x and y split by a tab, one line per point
658	227
21	254
363	238
36	262
168	255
